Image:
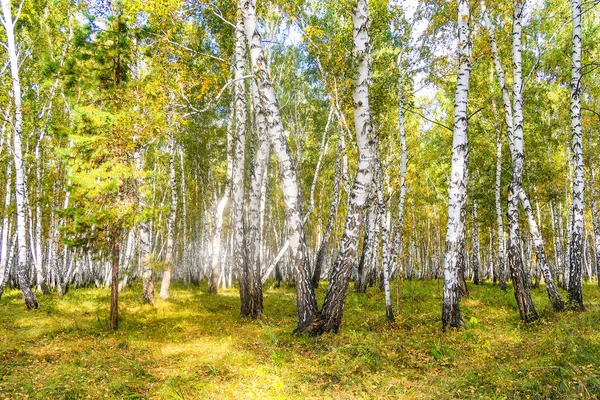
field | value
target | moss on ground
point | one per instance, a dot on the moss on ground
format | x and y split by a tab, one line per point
195	346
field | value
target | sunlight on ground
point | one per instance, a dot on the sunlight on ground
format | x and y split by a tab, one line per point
195	346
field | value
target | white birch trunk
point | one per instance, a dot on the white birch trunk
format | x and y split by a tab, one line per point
457	192
4	267
144	236
499	221
515	261
217	239
240	261
384	240
476	250
333	306
539	246
306	304
256	209
403	163
577	221
169	254
22	268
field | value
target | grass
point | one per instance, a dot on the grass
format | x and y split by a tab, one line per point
195	346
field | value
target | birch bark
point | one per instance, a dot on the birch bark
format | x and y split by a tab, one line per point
575	295
476	253
217	239
384	241
333	306
166	279
515	261
306	303
403	163
538	243
240	260
145	237
457	192
499	221
22	268
333	208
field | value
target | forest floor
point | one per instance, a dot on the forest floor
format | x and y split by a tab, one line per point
195	346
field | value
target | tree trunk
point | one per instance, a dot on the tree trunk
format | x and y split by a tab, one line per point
333	306
22	268
169	256
397	247
114	288
500	222
9	263
255	201
217	239
538	242
384	240
457	192
576	237
333	208
369	242
145	237
515	261
4	267
240	259
476	255
306	303
595	225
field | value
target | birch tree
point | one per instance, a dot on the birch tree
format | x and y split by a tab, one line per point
240	260
499	219
17	148
306	304
402	70
514	122
457	192
333	306
577	220
169	255
258	177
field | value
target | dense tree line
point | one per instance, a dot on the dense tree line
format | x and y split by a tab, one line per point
359	140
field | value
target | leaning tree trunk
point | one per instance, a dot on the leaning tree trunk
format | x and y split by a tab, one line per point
515	261
166	279
333	306
576	237
8	23
306	303
457	192
240	260
538	243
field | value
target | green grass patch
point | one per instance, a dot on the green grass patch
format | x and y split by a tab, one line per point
195	346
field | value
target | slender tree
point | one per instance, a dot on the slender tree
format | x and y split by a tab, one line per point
306	303
170	252
577	234
457	193
333	306
17	149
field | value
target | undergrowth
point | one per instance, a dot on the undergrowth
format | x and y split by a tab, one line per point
195	346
